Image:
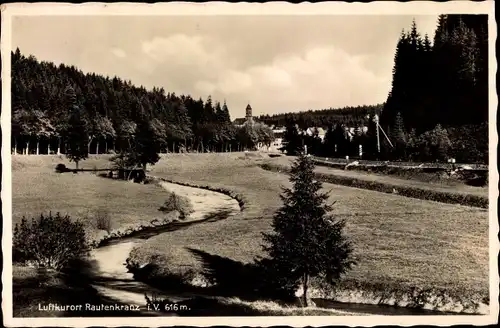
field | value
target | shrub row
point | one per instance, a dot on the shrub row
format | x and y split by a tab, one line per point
475	177
407	191
368	163
395	167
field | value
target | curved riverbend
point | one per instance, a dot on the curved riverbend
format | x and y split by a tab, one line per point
110	274
112	279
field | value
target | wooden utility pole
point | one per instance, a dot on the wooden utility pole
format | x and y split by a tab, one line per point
375	119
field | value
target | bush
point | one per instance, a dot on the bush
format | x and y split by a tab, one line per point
49	241
103	220
470	143
434	144
179	204
61	168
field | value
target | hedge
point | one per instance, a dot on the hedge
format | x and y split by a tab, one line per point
407	191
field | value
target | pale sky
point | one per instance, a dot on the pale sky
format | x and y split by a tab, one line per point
277	63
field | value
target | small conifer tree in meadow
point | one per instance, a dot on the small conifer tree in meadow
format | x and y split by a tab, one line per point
306	240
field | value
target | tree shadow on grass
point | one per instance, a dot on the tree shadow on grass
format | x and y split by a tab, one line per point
227	279
248	281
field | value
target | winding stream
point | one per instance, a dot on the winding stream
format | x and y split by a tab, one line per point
110	275
112	280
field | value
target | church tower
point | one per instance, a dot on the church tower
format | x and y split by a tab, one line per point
249	113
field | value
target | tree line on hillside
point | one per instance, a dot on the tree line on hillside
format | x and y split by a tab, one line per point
350	115
440	90
107	113
437	108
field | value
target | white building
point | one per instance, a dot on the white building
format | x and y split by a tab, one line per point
316	130
279	133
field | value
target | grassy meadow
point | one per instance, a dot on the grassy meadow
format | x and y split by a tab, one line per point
398	241
37	188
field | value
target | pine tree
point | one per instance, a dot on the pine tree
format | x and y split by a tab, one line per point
183	121
400	72
146	144
329	142
370	148
399	135
225	113
77	135
341	140
441	34
306	239
292	140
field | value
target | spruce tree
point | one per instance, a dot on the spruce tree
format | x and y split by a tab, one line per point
341	140
399	135
77	135
329	142
184	122
370	148
146	144
225	113
292	140
306	240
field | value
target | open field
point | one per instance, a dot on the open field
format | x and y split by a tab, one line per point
37	188
398	241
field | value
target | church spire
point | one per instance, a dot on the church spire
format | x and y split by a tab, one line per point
249	111
248	115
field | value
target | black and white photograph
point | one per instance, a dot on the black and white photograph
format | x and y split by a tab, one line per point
249	164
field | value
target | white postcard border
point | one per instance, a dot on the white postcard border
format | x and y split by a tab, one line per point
222	8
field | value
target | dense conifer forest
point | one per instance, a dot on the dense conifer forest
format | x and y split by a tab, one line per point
111	108
351	116
437	107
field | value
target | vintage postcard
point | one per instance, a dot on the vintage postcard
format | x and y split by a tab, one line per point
249	164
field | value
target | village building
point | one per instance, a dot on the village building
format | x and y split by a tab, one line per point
319	131
248	119
279	133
